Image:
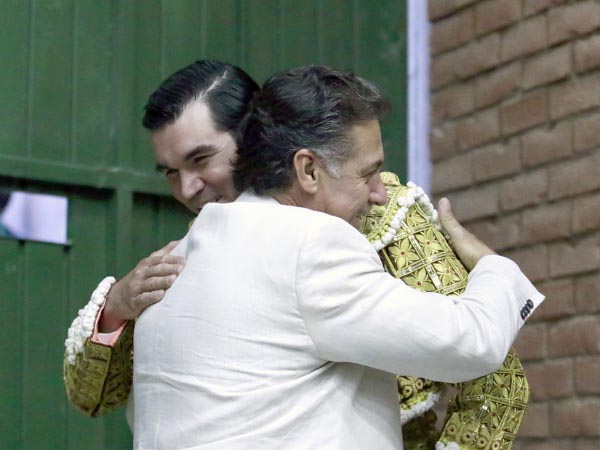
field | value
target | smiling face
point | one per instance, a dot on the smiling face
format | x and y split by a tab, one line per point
359	186
196	158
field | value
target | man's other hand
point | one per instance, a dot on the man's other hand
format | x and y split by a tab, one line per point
468	248
143	286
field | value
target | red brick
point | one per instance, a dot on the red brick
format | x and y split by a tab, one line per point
465	61
531	344
525	38
560	300
452	32
535	6
586	132
576	418
499	233
573	20
528	111
543	145
475	203
573	258
550	379
533	261
478	129
524	190
442	141
575	177
573	337
546	223
497	160
574	96
478	56
442	8
587	375
497	85
536	421
452	173
452	101
586	213
547	67
586	444
587	294
494	14
443	69
587	54
543	444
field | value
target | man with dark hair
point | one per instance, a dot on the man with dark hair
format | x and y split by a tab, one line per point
283	330
194	116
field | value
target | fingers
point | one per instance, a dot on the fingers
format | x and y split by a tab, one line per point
468	248
146	299
156	260
166	249
157	283
144	285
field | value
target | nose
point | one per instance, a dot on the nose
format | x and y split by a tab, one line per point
378	194
191	184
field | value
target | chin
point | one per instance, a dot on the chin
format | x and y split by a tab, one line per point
356	222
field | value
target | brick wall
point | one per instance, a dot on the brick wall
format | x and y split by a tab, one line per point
515	144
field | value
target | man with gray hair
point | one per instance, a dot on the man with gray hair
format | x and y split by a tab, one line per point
283	329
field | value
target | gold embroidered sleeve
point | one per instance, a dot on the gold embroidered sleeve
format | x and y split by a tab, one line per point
486	412
100	380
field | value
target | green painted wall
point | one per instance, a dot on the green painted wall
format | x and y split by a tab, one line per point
76	74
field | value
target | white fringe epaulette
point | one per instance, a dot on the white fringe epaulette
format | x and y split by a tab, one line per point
418	409
413	194
83	325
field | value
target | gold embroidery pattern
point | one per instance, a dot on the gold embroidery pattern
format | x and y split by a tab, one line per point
100	380
487	412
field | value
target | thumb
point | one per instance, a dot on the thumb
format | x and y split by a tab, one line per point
447	219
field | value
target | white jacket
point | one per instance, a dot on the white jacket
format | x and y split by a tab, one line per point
284	332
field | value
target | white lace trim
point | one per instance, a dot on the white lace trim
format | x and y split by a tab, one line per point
413	194
83	325
406	415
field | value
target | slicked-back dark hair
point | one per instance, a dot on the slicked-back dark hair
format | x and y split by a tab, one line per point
226	89
313	107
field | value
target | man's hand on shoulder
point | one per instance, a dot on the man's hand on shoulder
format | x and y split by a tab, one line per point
467	247
143	286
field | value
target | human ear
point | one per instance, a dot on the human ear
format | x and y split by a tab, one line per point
307	171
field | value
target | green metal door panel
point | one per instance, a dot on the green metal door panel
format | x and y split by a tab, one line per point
380	46
221	30
45	293
77	74
148	69
88	230
51	79
13	82
145	220
11	347
92	106
260	42
125	108
182	33
157	221
173	220
299	33
335	29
